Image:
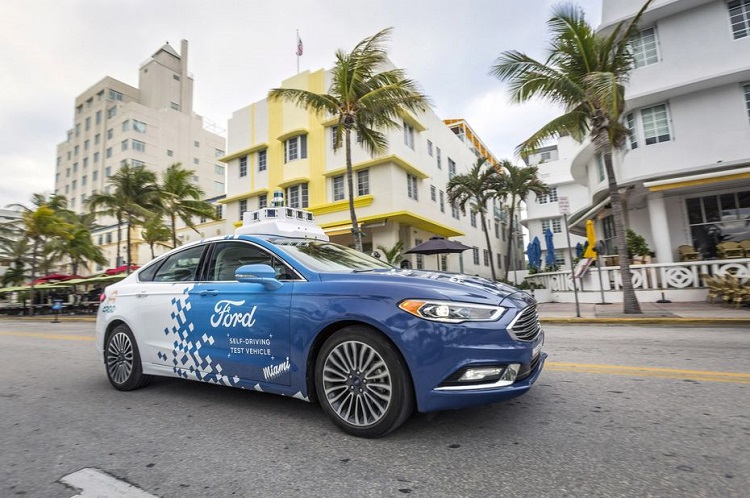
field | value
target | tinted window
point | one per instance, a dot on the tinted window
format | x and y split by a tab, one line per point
326	256
181	266
229	256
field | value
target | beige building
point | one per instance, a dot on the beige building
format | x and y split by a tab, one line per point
400	195
152	125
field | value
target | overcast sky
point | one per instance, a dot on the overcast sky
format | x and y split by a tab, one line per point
51	51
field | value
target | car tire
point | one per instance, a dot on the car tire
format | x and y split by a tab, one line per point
363	383
123	361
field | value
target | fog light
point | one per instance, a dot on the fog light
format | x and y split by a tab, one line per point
480	373
511	371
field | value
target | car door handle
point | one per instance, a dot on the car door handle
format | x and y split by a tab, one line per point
208	293
140	294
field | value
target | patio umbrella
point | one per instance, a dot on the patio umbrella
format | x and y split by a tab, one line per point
534	252
590	239
438	245
550	259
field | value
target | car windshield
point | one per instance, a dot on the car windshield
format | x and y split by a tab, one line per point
326	256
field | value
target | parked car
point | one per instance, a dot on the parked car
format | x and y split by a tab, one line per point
278	308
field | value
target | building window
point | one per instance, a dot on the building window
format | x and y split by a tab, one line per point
600	167
139	146
443	262
747	99
437	157
243	207
552	224
473	218
83	180
218	152
85	162
296	196
139	126
551	196
499	261
196	160
110	134
433	193
170	153
98	117
262	201
88	123
219	186
111	112
137	164
295	148
442	201
85	145
718	218
411	187
429	148
115	95
475	253
175	106
94	176
75	150
124	145
739	16
196	143
486	258
455	212
262	159
107	171
363	182
630	121
219	211
75	167
338	188
545	156
644	48
219	169
420	258
497	229
451	168
408	135
334	137
126	125
243	166
655	124
97	138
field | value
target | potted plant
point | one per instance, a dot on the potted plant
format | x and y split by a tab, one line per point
638	249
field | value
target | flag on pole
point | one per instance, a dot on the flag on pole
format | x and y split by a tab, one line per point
299	46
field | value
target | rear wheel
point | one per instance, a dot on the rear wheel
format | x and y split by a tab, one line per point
122	360
363	383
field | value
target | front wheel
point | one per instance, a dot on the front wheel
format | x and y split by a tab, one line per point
363	383
123	360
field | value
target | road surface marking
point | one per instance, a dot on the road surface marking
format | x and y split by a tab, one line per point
96	483
664	373
43	335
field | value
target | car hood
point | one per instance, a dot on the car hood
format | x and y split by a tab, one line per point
439	285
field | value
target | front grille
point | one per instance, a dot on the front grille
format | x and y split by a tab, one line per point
526	327
528	368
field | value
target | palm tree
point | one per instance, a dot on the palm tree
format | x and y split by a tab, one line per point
366	97
134	198
516	183
393	255
475	188
156	233
41	224
586	72
182	199
14	250
80	247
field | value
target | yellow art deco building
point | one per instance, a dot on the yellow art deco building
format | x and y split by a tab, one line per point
399	195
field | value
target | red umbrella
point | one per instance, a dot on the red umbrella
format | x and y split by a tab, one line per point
120	269
54	276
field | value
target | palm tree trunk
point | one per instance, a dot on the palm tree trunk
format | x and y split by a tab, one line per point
350	183
629	299
119	240
33	277
489	247
174	231
128	244
511	213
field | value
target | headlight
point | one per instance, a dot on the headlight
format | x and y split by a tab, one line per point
451	311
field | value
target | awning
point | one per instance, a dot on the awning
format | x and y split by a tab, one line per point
699	180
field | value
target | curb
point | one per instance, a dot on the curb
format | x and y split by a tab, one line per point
704	322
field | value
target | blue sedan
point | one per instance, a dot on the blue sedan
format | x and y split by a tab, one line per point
278	308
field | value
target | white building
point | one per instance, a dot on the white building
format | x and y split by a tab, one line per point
543	212
152	125
686	170
400	194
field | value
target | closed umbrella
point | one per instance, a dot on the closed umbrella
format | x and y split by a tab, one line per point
590	239
535	253
550	260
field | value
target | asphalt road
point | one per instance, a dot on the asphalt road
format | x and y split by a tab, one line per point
619	411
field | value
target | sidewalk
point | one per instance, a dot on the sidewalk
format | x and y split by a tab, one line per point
694	313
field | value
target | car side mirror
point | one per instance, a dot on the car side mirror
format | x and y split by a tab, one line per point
258	274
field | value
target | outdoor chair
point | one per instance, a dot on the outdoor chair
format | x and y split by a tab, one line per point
688	253
745	245
729	250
